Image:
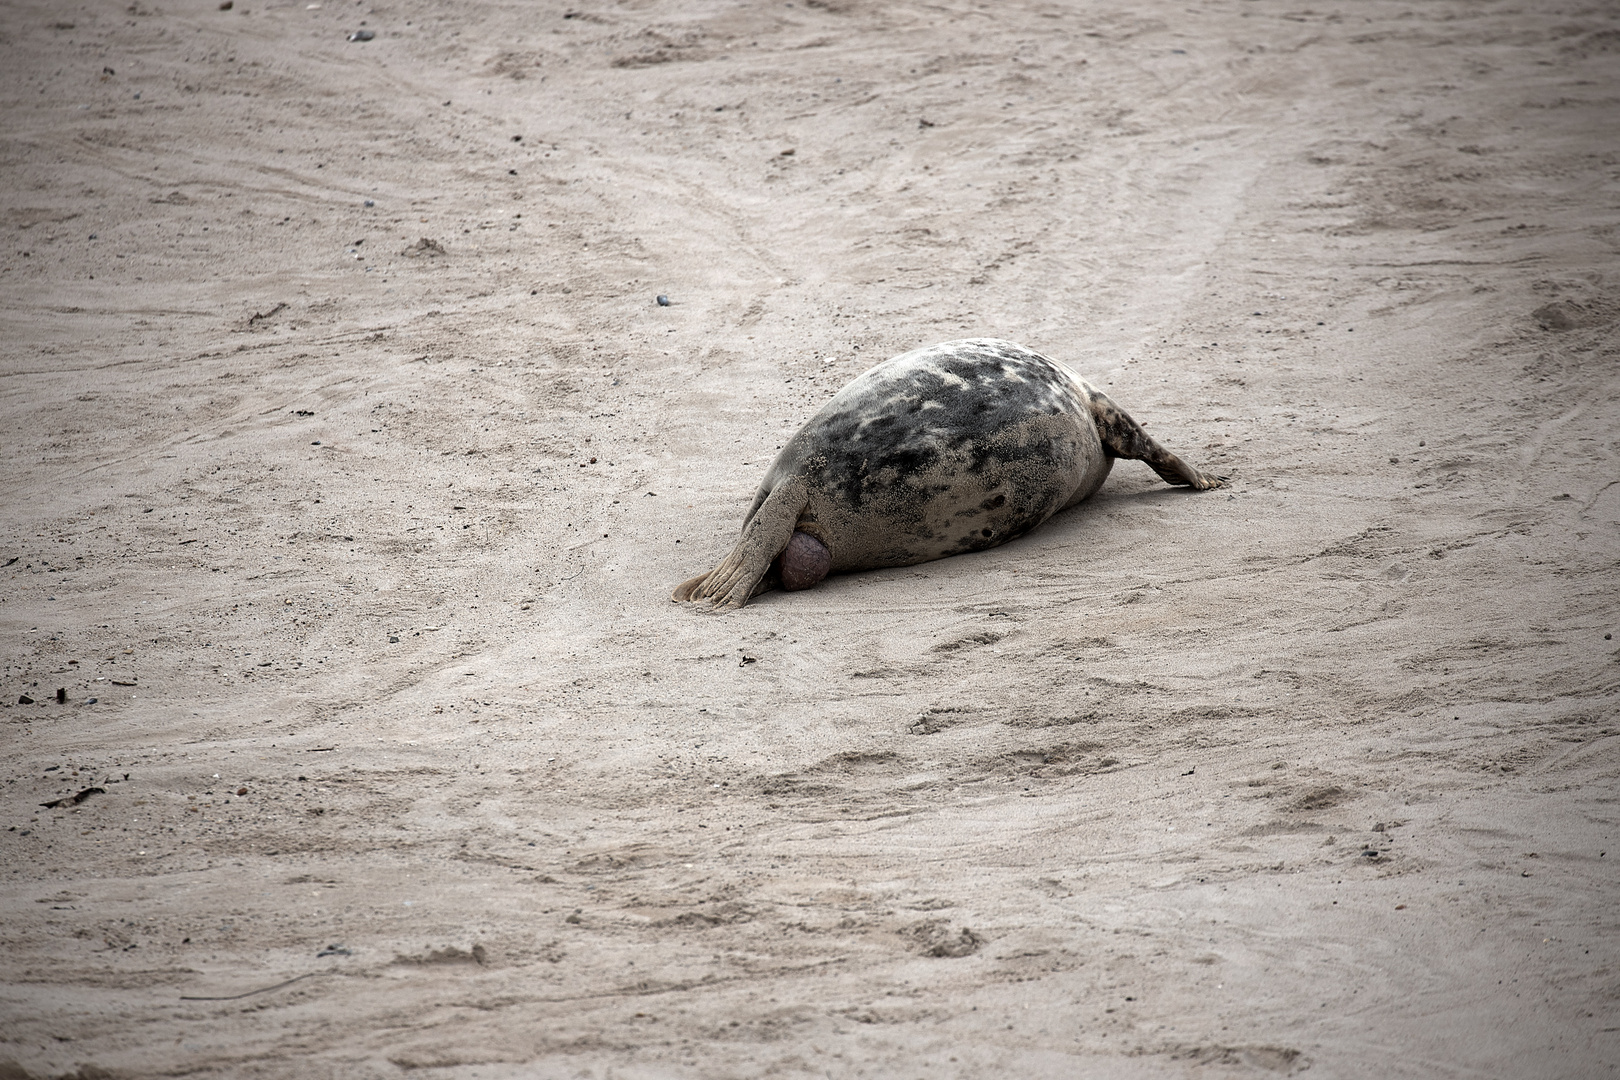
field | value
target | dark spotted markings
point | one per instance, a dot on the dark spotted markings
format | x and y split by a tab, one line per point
885	447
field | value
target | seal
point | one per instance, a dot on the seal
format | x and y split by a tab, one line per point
946	449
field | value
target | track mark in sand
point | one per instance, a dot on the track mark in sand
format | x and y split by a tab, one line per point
262	989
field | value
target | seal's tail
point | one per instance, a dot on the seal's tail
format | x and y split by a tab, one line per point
741	575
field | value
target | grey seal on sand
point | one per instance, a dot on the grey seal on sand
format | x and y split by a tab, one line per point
945	449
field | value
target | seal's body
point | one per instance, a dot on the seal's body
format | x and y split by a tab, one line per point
942	450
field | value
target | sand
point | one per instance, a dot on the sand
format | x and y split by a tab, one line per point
350	462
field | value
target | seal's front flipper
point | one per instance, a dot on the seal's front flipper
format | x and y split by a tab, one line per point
1124	438
742	574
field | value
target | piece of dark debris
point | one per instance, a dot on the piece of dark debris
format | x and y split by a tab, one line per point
74	800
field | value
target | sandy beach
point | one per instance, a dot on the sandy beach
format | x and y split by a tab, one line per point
348	728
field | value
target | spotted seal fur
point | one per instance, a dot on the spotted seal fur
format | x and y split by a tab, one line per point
946	449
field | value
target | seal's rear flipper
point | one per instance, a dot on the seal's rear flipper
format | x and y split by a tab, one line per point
1124	438
742	574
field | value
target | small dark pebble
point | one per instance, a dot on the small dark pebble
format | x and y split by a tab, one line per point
61	695
225	5
317	442
663	301
334	950
393	639
25	700
1607	637
369	202
362	35
91	700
